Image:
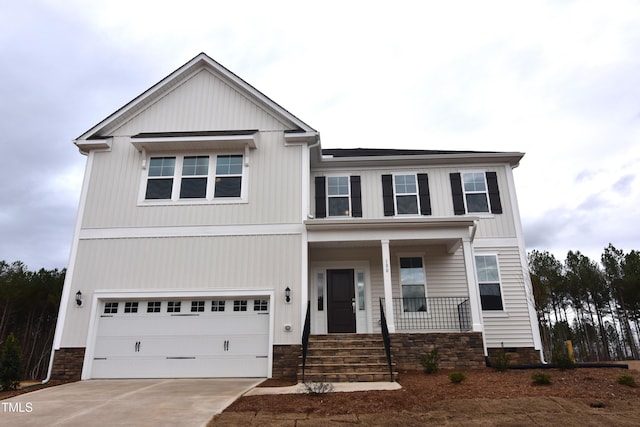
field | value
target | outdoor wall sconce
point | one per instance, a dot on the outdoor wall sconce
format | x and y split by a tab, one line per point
287	295
79	299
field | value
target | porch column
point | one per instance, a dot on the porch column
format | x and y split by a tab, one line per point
472	283
388	289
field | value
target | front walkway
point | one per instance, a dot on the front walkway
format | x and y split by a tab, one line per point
157	402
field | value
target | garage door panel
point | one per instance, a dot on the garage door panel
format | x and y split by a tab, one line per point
174	345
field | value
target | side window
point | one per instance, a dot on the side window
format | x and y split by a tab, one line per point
160	178
412	283
228	179
475	192
489	282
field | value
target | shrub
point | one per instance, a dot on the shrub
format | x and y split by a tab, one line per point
10	364
627	380
457	377
501	363
430	361
541	378
316	389
561	358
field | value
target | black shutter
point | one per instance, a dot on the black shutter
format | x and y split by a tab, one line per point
356	197
387	195
423	191
494	193
321	204
456	193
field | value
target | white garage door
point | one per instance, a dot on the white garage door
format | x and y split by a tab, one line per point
195	338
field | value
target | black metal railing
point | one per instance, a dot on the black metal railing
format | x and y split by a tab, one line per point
386	339
306	331
439	313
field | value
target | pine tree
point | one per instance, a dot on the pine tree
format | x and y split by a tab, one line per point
10	364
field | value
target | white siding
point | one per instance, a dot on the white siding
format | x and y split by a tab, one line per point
513	326
197	263
274	191
496	226
203	102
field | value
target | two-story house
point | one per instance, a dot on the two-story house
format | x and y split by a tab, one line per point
210	218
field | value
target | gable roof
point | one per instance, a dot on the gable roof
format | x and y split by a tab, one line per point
97	135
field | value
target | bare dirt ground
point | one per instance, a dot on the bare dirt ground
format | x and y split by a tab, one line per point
580	397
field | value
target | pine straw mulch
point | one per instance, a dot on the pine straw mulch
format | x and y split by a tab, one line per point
420	391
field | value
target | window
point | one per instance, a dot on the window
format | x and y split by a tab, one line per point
131	307
228	176
194	178
217	305
160	178
406	194
173	307
338	196
195	170
475	192
260	305
489	282
240	305
412	282
153	306
197	306
406	191
110	308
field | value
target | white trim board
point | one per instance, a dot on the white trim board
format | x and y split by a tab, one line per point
189	231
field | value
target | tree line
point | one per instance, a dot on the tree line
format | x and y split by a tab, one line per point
29	302
595	305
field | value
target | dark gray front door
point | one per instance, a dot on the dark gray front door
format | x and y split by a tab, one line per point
340	301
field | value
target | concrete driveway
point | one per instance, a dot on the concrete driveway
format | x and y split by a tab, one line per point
158	402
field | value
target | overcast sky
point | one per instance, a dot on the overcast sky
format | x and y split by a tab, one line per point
558	80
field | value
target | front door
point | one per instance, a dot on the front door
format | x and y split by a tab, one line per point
341	301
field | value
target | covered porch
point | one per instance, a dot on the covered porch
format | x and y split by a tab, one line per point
420	271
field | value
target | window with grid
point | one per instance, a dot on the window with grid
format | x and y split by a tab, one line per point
240	305
406	191
228	180
153	306
131	307
160	178
260	305
474	186
110	308
489	282
338	196
173	306
195	172
217	305
197	306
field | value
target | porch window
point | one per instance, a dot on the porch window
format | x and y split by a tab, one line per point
489	282
412	282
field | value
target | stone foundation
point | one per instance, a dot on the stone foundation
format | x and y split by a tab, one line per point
517	355
67	364
285	361
456	350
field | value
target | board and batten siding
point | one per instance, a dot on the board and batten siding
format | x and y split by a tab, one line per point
190	264
273	190
491	225
202	102
513	326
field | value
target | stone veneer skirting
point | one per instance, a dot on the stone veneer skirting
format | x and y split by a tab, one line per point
456	350
517	355
285	361
67	364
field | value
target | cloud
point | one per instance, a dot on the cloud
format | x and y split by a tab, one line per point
623	185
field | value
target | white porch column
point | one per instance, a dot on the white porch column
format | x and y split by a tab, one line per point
388	289
474	290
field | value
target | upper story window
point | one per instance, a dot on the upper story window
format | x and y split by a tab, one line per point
195	178
475	192
338	196
406	194
412	283
338	199
489	282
